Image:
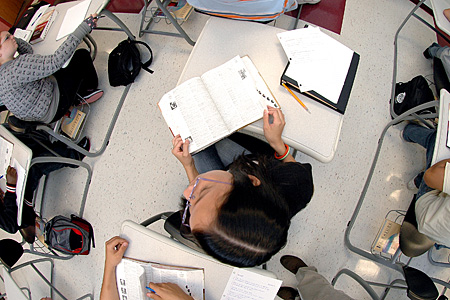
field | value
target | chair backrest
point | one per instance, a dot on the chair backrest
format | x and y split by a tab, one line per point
412	242
260	11
172	226
13	291
10	252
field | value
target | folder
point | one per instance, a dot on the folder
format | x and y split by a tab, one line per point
344	96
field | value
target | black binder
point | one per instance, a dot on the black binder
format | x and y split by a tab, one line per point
346	89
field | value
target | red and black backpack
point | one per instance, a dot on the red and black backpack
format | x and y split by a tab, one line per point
70	236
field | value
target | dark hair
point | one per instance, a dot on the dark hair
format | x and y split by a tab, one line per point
252	224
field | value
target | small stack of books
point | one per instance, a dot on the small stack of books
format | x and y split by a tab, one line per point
180	10
72	122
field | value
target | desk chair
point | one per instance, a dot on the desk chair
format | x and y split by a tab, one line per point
413	243
149	19
415	282
10	252
394	77
394	262
37	248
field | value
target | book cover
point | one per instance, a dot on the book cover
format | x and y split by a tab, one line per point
71	124
387	240
43	26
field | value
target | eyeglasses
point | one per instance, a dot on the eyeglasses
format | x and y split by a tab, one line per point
8	35
185	218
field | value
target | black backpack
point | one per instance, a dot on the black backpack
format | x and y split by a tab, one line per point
70	236
411	94
124	63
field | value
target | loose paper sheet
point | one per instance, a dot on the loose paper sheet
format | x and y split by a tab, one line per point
248	285
74	16
6	150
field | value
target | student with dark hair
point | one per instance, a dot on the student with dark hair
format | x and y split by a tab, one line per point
239	205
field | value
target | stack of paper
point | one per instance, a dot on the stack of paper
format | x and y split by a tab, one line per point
317	61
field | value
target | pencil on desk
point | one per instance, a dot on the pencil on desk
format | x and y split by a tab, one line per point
296	98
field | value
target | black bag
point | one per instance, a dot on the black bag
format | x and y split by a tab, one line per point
124	63
411	94
70	236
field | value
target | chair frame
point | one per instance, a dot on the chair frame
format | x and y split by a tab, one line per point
53	289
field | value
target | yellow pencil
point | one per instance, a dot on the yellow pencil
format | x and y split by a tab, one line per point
296	98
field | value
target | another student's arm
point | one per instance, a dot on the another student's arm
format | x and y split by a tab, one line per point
273	131
181	151
114	250
434	176
8	209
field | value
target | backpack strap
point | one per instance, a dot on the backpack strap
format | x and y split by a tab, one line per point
147	64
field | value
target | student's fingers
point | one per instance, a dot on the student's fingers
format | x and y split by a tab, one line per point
186	148
154	296
176	139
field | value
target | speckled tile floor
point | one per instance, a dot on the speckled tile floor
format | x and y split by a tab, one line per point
137	177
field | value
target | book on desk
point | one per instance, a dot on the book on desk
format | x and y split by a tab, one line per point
206	109
319	67
43	25
133	276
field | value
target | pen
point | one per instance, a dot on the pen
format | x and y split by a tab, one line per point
2	176
150	289
37	19
98	17
296	98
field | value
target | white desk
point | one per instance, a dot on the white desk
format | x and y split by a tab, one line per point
315	134
23	155
146	244
438	12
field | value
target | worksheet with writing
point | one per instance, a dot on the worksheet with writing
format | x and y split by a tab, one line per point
248	285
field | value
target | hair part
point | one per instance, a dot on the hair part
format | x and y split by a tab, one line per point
252	223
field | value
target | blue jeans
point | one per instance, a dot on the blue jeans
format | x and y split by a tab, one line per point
426	138
218	156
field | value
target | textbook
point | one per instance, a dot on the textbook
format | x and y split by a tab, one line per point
43	26
387	240
133	276
180	10
207	109
72	123
319	66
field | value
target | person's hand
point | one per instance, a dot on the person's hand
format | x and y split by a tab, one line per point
92	20
114	250
11	175
167	291
181	151
447	13
273	131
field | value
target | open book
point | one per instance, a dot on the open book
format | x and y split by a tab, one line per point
223	100
133	276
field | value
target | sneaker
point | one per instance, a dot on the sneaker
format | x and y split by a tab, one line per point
93	96
288	293
427	52
85	143
292	263
411	185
